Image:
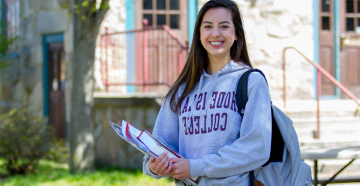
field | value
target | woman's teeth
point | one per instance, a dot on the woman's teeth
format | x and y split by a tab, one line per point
216	43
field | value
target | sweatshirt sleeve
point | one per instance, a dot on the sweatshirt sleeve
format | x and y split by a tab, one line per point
166	130
252	149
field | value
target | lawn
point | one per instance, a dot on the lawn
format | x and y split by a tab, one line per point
49	173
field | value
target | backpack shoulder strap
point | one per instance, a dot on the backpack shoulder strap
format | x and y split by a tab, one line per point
277	142
241	91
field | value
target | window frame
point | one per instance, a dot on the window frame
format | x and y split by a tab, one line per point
167	12
10	53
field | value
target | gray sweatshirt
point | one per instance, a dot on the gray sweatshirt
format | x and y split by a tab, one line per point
222	147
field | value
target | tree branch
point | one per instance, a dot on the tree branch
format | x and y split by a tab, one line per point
104	7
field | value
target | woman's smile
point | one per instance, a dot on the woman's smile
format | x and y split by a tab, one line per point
216	44
217	34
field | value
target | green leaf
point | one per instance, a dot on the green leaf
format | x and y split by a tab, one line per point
85	3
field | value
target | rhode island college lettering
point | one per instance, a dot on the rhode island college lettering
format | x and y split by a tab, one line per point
201	121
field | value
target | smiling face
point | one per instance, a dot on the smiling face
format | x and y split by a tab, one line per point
217	32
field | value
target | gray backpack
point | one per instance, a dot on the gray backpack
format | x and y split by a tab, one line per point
284	166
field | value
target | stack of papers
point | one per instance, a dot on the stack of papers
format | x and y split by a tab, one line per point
146	143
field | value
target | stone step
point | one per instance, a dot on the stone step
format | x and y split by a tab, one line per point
329	142
330	134
337	131
328	108
309	114
347	122
347	129
330	129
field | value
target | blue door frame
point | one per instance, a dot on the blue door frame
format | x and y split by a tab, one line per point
53	38
336	45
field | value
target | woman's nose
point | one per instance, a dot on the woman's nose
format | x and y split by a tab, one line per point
215	33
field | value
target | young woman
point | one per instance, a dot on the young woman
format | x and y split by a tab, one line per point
199	117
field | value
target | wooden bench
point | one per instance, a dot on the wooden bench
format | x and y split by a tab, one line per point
322	152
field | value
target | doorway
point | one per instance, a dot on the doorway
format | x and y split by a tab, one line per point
54	83
327	44
350	45
57	87
349	40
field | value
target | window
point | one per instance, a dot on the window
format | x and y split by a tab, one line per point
352	18
350	25
325	15
325	23
162	12
11	21
350	6
325	5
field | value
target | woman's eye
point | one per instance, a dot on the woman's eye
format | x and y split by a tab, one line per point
224	26
207	26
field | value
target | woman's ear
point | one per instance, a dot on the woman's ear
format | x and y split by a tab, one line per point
235	38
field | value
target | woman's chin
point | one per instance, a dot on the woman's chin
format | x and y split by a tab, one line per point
218	54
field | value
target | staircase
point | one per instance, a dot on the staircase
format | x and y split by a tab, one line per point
328	130
339	127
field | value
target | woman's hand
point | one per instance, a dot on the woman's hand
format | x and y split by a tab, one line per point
161	165
180	168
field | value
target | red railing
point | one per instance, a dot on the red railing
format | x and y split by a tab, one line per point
320	70
150	59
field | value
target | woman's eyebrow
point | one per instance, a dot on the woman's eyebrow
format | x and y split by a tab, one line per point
224	22
207	22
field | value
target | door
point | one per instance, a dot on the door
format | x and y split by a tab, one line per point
326	44
56	88
162	51
350	45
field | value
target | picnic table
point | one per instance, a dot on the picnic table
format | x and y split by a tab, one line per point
331	152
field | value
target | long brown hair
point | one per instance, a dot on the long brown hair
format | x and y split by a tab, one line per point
198	58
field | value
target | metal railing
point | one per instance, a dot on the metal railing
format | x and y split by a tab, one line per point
320	70
149	59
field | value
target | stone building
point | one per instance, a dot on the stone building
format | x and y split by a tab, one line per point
41	75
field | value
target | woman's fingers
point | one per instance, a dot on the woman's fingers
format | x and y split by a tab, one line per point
154	163
159	158
152	159
168	168
164	163
160	164
175	160
180	170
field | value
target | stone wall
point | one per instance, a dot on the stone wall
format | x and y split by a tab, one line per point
110	149
22	83
271	25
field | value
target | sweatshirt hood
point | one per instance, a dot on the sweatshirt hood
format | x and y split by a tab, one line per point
229	68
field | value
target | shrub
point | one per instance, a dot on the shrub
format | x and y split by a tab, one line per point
58	152
24	140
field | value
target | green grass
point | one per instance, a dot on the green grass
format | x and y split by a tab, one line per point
49	173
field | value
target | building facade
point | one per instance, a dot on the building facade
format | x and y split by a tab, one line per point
325	31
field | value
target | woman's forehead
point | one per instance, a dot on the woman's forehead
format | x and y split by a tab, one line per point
217	15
